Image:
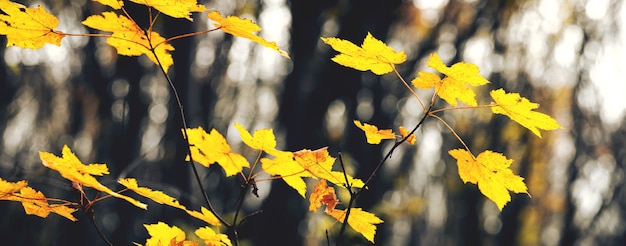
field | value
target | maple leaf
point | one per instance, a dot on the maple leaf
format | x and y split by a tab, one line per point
288	169
156	196
404	132
8	188
130	40
323	194
263	139
361	221
163	234
176	9
208	148
72	169
373	54
373	135
115	4
28	27
491	172
455	85
205	215
210	237
319	163
520	110
243	28
35	203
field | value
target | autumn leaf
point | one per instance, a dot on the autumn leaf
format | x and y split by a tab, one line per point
208	148
156	196
130	40
242	28
35	203
72	169
320	164
162	234
176	9
361	221
373	135
323	195
520	110
491	172
28	27
115	4
404	132
205	215
263	139
212	238
455	85
284	165
7	188
373	54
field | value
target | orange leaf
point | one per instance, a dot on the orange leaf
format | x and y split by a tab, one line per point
372	55
72	169
404	132
176	9
490	170
323	194
373	135
455	85
130	40
8	188
243	28
519	109
28	27
361	221
210	237
208	148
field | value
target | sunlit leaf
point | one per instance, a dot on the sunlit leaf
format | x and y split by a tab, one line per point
373	135
404	132
28	27
491	172
361	221
320	164
130	40
263	139
288	169
35	203
520	110
162	234
72	169
176	9
205	215
243	28
212	238
373	54
209	148
7	188
155	195
115	4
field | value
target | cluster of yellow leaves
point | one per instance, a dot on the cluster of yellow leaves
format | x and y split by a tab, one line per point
163	234
34	202
361	221
490	170
34	27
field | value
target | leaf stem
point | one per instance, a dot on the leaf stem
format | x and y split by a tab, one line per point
409	88
453	132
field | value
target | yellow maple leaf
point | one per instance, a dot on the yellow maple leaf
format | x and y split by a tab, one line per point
212	238
323	195
72	169
35	203
491	172
263	139
361	221
520	110
455	85
176	9
130	40
28	27
373	54
8	188
373	135
155	195
320	164
243	28
205	215
115	4
162	234
288	169
209	148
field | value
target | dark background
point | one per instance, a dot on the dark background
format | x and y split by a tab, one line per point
568	56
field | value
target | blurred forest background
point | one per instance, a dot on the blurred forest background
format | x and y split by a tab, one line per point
567	55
